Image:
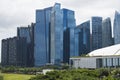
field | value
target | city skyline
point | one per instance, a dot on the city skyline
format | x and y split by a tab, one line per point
22	12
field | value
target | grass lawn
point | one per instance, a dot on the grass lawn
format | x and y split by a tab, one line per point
16	76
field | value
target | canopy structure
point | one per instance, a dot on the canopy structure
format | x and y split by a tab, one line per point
107	51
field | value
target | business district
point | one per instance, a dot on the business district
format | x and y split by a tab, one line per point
55	38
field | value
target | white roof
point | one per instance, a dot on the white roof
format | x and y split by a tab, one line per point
107	51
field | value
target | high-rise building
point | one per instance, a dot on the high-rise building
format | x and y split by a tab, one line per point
42	37
14	52
85	30
31	56
4	52
117	28
78	41
96	24
68	36
56	34
106	33
27	32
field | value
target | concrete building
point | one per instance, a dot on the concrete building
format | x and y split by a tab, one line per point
95	62
102	58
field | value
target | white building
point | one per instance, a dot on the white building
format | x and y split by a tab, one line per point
105	57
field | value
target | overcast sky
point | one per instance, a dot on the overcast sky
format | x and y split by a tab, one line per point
15	13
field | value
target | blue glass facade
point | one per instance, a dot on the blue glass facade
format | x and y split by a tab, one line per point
85	29
106	33
69	40
78	41
41	37
56	34
116	28
25	33
96	32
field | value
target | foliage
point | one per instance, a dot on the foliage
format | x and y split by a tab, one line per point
80	74
12	69
1	77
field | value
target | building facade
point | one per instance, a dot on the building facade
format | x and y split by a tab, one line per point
106	33
27	32
96	24
4	52
14	52
85	32
78	40
68	35
42	37
116	28
56	35
95	62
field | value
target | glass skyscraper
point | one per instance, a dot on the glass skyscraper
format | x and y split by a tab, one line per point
56	34
106	33
78	41
27	33
96	24
117	28
42	37
85	29
68	36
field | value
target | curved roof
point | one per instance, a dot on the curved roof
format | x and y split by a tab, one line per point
107	51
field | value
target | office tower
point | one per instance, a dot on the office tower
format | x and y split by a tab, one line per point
31	56
28	33
68	36
96	32
106	33
42	37
56	34
16	50
4	52
117	28
25	33
78	41
85	30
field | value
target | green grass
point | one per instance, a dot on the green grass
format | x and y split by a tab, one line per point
16	76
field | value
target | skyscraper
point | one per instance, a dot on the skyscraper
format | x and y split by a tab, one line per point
14	52
117	28
106	33
77	34
96	32
56	34
68	36
42	37
25	33
78	41
31	56
4	52
85	29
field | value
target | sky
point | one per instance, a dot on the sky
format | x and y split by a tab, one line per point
16	13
